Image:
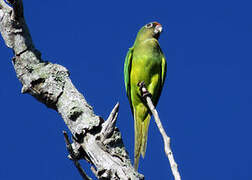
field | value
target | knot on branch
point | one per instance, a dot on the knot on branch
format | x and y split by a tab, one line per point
45	81
74	113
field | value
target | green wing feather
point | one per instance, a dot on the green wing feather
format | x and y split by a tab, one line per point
163	77
164	69
127	69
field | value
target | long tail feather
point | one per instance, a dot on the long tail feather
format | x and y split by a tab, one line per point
138	141
141	134
145	127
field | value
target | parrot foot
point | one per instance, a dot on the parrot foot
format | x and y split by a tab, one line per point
143	89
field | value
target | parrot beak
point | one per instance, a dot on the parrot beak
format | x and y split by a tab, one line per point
158	29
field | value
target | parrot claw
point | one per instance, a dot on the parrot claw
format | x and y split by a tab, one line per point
143	89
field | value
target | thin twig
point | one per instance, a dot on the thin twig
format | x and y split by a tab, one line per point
73	157
167	147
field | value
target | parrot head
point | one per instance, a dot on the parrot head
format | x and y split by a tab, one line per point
150	30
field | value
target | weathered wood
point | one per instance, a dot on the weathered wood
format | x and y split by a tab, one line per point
101	142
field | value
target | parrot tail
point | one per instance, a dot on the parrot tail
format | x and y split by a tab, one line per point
145	127
141	134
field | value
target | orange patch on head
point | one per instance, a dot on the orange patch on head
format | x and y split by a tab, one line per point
156	24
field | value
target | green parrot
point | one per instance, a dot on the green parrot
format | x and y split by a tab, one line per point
145	62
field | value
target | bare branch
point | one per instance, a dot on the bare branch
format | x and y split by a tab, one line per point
73	157
50	84
167	147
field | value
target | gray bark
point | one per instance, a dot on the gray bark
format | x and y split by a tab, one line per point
97	141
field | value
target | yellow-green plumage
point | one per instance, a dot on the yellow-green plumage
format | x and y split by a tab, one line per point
144	62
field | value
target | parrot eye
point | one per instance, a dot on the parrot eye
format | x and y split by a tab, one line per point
149	25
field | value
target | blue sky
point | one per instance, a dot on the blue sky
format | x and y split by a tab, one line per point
205	105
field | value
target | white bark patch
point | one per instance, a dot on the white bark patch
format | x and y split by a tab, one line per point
1	15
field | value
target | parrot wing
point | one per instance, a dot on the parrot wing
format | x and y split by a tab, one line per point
163	76
127	69
164	69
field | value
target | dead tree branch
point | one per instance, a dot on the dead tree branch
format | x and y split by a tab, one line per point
100	142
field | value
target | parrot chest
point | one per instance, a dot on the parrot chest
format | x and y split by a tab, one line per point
146	63
148	70
144	69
